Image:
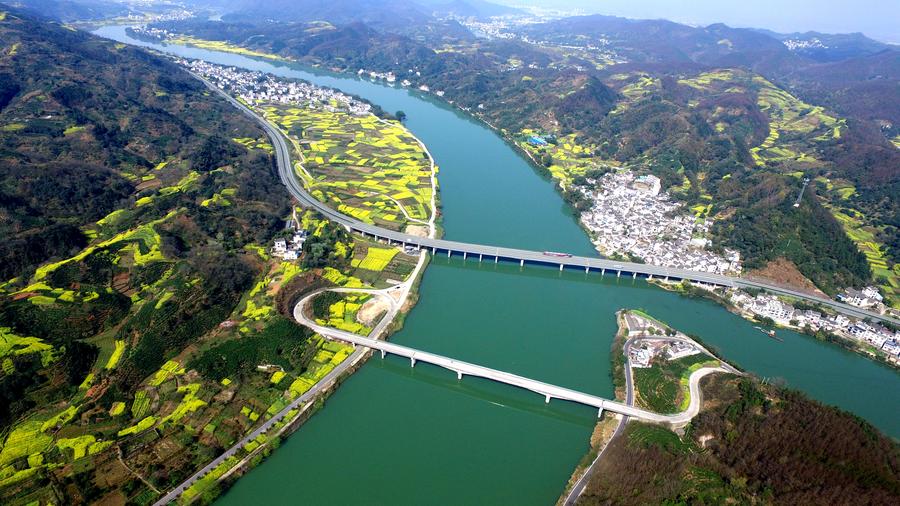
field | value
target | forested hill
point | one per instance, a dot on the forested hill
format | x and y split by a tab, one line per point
751	444
83	124
136	192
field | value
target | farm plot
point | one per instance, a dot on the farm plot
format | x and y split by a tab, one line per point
794	127
885	272
564	157
380	266
367	168
663	388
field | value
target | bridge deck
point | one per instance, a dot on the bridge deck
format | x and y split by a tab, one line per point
547	390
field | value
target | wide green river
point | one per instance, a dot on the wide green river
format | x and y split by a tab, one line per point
396	435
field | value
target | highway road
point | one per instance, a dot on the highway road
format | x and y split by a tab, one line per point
496	253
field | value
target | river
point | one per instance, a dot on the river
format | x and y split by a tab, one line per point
397	435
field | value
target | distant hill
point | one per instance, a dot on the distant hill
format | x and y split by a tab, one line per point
404	17
479	9
826	47
73	10
394	14
654	41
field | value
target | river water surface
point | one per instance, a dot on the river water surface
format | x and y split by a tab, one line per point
396	435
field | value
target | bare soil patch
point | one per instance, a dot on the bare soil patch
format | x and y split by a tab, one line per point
370	312
783	272
417	230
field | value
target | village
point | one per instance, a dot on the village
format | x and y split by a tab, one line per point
630	216
771	310
258	86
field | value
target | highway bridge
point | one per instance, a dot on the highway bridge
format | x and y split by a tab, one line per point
462	369
497	254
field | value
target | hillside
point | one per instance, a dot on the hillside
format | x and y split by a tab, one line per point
405	17
125	181
751	444
161	331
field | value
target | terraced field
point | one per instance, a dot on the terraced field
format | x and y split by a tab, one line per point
886	275
794	127
371	169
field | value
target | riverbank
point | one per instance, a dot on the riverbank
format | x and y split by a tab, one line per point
846	342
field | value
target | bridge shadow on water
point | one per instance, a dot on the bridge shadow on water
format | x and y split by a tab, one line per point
503	396
542	271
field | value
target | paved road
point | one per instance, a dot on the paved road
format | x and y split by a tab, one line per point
496	253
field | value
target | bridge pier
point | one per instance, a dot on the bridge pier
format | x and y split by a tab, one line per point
667	279
433	251
633	275
479	258
458	375
546	399
465	255
412	361
618	274
587	270
600	413
496	259
521	263
650	278
560	267
449	253
382	353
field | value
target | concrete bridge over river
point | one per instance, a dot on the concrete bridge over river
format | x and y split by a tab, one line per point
496	254
463	369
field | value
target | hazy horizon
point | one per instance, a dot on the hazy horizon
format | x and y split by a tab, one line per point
875	18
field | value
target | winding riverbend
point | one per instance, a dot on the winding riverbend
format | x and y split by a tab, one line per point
397	435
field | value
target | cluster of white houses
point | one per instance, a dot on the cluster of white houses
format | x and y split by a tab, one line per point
630	216
645	351
257	86
290	248
867	298
784	314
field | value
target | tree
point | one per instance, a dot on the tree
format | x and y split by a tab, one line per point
400	115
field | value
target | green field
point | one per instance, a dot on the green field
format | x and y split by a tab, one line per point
563	157
663	387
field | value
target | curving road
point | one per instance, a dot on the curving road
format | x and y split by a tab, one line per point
496	253
692	410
